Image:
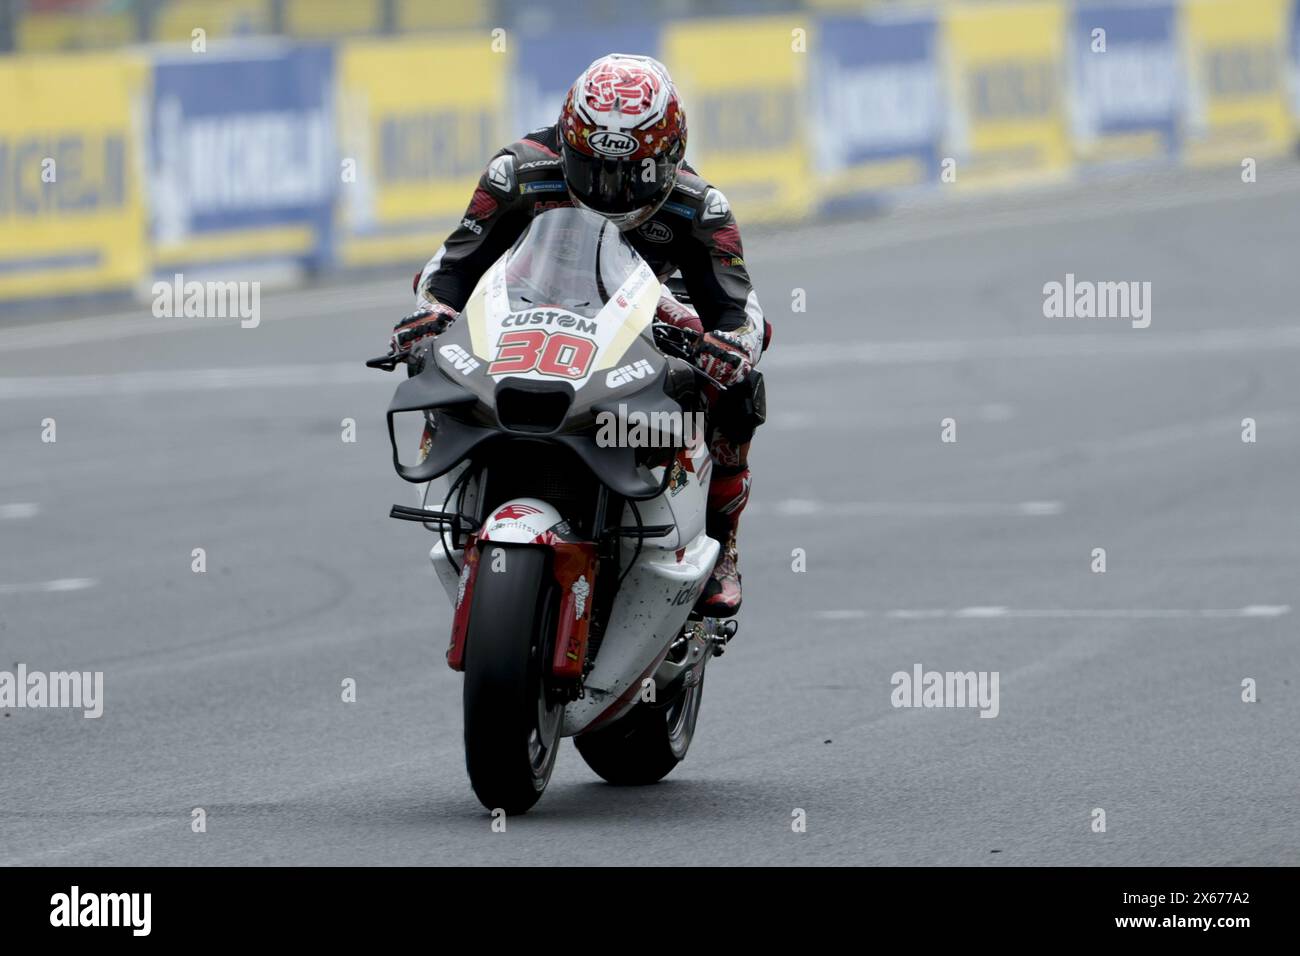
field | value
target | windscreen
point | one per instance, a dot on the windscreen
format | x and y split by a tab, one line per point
571	259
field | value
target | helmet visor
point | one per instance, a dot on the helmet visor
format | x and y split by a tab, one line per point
617	186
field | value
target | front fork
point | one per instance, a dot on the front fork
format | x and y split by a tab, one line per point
573	568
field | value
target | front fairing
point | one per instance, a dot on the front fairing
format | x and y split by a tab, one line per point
585	326
513	365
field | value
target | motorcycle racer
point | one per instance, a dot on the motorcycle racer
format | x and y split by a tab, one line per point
618	150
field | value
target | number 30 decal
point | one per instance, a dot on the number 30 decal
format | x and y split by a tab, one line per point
550	353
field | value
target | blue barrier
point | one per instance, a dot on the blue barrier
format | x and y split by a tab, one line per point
242	154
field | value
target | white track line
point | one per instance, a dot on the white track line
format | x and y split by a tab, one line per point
1217	429
1117	343
848	615
996	612
19	510
190	380
141	321
834	419
804	508
49	587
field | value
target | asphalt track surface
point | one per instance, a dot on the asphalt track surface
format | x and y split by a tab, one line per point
1120	691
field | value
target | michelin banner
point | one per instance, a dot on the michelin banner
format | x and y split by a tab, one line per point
71	212
1238	101
879	108
744	82
418	122
1127	82
1007	107
242	161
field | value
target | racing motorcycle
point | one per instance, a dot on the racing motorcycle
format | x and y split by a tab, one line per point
560	471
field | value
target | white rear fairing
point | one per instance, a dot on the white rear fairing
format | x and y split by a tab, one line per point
681	505
651	607
656	597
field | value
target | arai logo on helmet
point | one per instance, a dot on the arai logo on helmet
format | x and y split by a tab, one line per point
656	231
610	142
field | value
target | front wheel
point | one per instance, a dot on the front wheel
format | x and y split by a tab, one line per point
646	743
512	728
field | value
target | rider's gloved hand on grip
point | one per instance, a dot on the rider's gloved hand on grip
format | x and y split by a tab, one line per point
722	357
426	323
671	312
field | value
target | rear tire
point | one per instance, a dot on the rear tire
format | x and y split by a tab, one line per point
645	744
512	729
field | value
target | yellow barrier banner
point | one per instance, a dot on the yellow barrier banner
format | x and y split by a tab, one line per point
1237	62
71	215
177	20
743	83
1007	118
73	32
419	119
332	18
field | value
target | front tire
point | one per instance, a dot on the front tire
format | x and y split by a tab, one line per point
645	744
512	728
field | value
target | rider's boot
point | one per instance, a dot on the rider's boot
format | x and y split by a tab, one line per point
728	495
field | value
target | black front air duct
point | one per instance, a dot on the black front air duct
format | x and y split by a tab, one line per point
533	408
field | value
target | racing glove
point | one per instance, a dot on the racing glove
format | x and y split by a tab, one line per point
671	312
421	325
722	357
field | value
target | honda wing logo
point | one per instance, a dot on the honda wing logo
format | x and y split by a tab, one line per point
515	512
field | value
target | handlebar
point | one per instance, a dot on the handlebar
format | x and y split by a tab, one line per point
680	343
672	340
388	362
675	340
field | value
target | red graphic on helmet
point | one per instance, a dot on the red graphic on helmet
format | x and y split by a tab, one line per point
622	138
515	512
624	107
630	90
